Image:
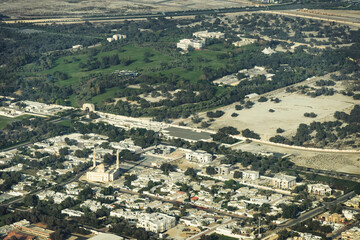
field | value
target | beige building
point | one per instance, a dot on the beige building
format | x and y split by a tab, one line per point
252	175
351	234
199	156
319	189
206	34
102	173
156	222
284	181
184	44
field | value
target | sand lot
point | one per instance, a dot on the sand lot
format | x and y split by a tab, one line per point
20	8
289	113
338	162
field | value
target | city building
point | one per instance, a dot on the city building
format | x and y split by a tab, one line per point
353	202
199	156
77	47
116	37
184	44
283	181
351	234
252	175
101	173
156	222
332	218
268	51
223	169
319	189
72	213
243	42
206	34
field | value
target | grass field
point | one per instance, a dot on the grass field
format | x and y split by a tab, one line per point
5	120
70	64
223	237
197	60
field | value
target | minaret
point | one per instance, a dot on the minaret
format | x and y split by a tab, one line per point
117	159
94	158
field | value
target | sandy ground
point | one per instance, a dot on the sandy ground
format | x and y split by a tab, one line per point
178	233
289	113
20	8
339	162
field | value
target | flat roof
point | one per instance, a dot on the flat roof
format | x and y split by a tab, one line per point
187	134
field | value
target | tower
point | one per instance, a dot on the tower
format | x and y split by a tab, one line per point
94	158
117	159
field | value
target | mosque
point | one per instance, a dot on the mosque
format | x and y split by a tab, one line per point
102	173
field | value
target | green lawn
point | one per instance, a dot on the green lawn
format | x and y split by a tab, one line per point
5	120
65	123
70	64
196	60
110	93
223	237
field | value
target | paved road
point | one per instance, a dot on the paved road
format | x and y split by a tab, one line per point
310	214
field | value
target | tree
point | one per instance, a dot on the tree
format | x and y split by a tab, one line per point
280	130
290	211
190	172
31	200
167	167
210	170
262	99
229	130
237	174
64	151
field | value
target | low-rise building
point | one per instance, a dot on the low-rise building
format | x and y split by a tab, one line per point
156	222
284	181
116	37
353	202
77	47
351	234
223	169
243	42
319	189
184	44
332	217
252	175
72	213
205	34
199	156
349	214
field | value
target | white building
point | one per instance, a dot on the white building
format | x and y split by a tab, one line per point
72	213
223	169
351	234
186	43
243	42
199	156
284	181
156	222
116	37
349	214
252	175
206	34
319	189
268	51
77	47
101	173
